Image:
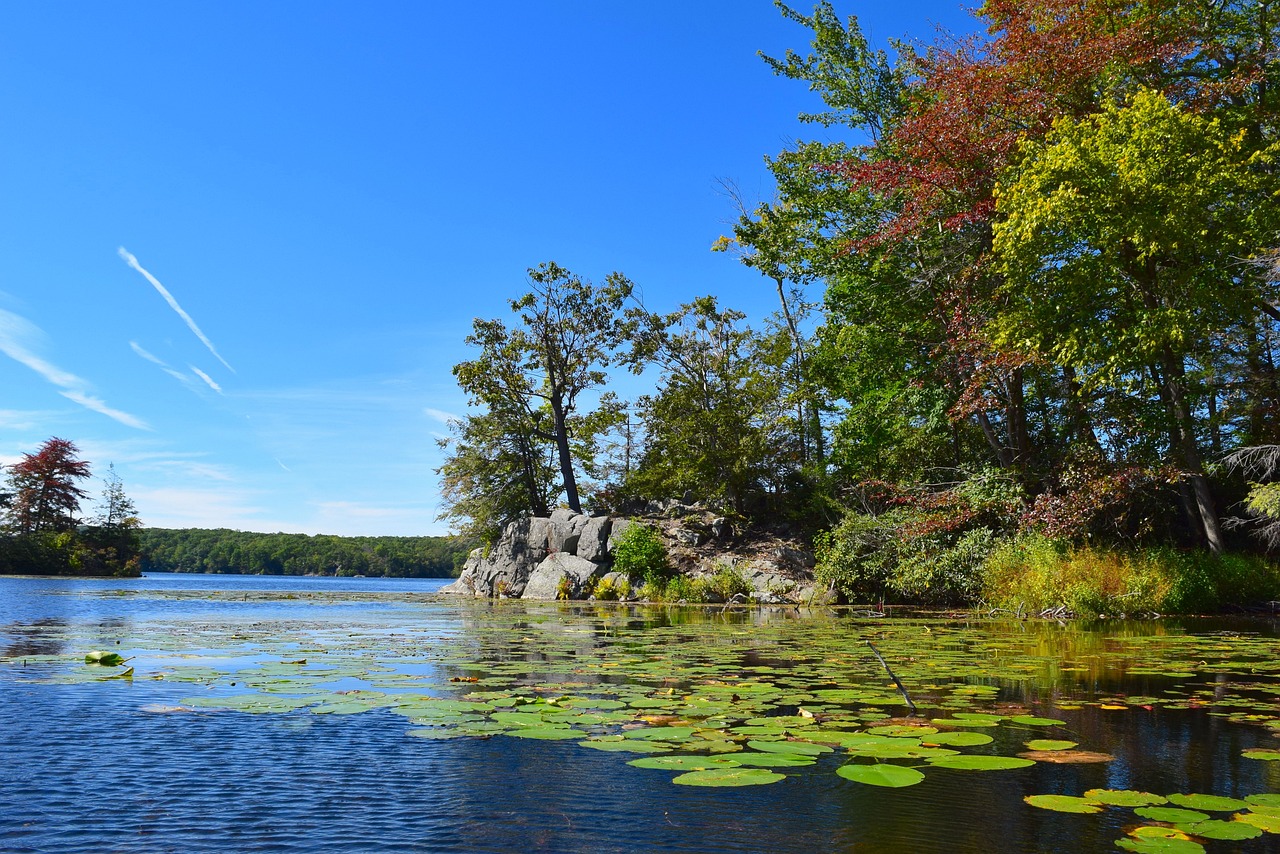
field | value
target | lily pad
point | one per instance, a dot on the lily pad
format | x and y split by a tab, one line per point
1208	803
882	774
1032	720
1173	815
1160	845
729	777
106	659
1125	798
1050	744
981	763
792	748
1063	803
959	739
684	763
1216	829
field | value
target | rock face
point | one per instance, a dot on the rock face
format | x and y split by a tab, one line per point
561	576
564	555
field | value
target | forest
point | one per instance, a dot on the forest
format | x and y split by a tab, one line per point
1025	342
226	551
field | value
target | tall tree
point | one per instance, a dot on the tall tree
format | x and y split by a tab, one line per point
540	370
46	492
710	428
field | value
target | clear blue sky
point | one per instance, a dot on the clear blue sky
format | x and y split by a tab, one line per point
329	192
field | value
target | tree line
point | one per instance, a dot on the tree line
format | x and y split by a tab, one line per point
241	552
1027	288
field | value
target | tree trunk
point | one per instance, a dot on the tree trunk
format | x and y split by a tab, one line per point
566	456
1183	433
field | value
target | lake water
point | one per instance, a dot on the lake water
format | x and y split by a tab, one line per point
176	758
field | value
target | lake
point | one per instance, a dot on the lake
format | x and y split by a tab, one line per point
351	715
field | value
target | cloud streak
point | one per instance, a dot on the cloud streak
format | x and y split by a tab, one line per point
208	379
156	360
16	335
173	304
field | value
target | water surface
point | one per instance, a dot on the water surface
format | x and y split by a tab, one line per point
107	764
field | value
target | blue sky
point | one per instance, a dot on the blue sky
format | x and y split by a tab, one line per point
241	243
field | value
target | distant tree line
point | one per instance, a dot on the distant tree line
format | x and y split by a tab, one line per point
41	532
225	551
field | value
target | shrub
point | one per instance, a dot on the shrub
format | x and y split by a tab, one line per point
1035	573
640	554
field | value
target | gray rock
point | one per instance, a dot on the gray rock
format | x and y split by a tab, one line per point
593	543
619	527
562	514
560	573
720	528
505	572
686	536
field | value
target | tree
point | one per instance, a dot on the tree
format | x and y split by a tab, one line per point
1120	237
710	428
116	509
46	496
536	374
497	468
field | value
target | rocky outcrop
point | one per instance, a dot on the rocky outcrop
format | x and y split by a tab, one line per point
565	555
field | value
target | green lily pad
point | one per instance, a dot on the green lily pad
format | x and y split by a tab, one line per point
1173	815
1032	720
1063	803
729	777
1216	829
772	760
1125	798
1208	803
884	774
792	748
1262	753
630	745
684	763
548	733
106	659
1050	744
959	739
1160	845
1268	822
980	763
1265	799
675	734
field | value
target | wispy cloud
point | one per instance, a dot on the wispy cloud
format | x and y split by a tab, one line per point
442	416
208	379
17	335
173	304
156	360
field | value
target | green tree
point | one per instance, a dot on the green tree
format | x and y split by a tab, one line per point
534	376
709	426
497	467
1121	237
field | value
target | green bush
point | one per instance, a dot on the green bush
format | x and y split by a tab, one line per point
640	554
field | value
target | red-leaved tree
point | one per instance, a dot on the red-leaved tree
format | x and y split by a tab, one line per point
45	492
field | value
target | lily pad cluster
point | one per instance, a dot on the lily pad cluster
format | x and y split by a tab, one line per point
722	697
1178	822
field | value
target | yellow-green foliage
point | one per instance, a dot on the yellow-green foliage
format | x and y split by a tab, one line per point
1034	573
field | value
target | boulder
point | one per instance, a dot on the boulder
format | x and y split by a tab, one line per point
506	570
619	527
465	583
560	574
593	542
